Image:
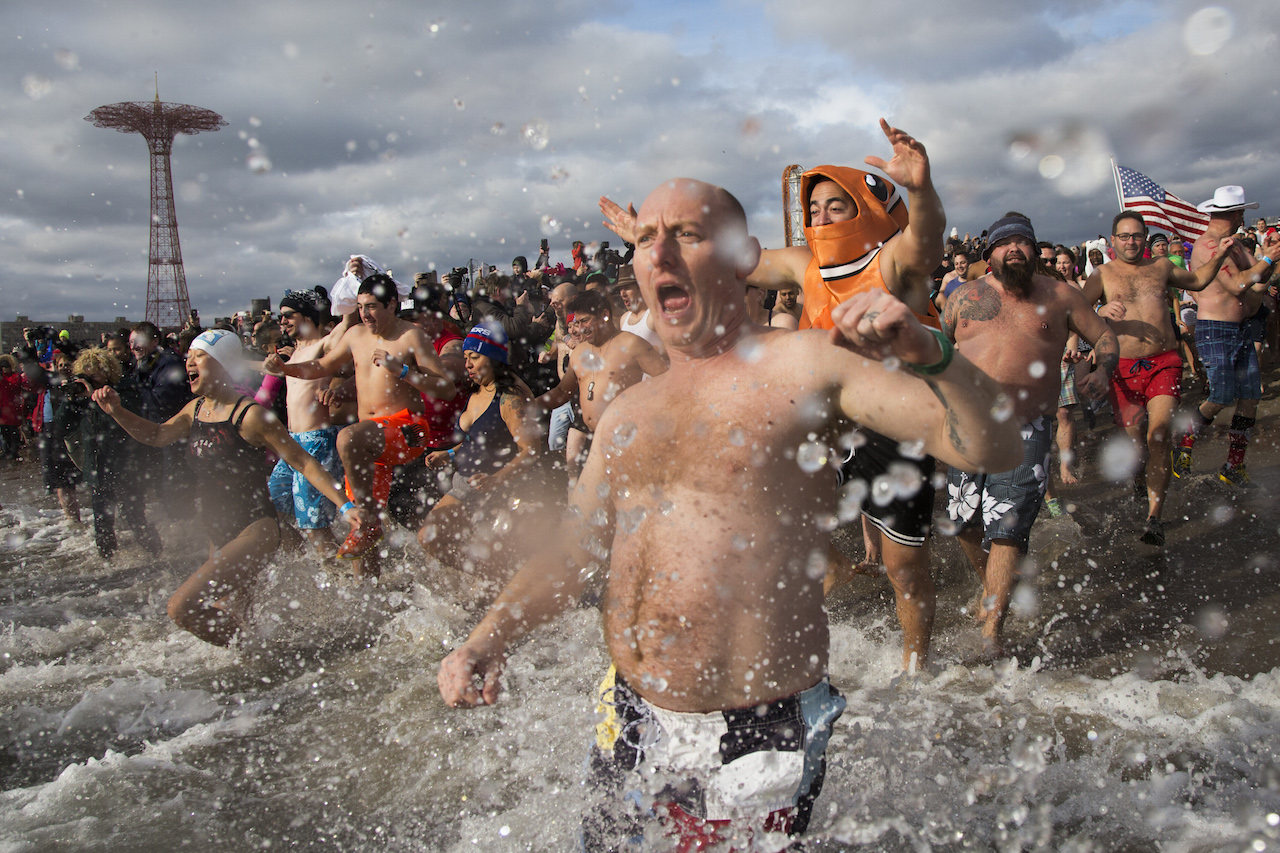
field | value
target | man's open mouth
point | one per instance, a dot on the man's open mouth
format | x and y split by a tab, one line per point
673	299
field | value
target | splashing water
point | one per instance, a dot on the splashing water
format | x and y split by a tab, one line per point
1002	409
592	361
1120	458
812	456
852	496
1208	30
623	435
535	134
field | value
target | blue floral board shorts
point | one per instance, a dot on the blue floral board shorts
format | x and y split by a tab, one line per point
1005	504
290	491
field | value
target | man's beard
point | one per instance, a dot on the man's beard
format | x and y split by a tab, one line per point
1016	278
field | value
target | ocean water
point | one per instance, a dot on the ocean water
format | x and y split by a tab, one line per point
325	730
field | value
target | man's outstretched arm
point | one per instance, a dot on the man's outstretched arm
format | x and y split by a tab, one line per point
547	585
948	401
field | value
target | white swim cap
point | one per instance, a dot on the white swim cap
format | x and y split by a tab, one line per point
224	347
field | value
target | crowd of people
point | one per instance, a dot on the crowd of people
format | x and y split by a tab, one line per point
673	433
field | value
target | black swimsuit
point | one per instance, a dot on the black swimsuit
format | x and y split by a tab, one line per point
231	473
488	444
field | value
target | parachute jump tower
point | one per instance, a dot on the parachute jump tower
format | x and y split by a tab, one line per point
159	123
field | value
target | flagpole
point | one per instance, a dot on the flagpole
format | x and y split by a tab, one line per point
1115	174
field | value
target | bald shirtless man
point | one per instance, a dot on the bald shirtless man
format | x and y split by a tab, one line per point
854	245
1222	336
694	501
1013	324
604	363
395	365
1147	384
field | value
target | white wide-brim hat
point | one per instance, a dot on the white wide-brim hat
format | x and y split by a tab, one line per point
1226	199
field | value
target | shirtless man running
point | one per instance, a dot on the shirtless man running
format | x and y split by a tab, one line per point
395	365
693	499
1222	336
1014	324
1147	384
854	245
604	363
302	317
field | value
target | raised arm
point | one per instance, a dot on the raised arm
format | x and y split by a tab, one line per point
326	365
947	401
908	260
141	429
548	584
1205	273
1252	277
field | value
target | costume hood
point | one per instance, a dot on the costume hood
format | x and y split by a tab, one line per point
846	248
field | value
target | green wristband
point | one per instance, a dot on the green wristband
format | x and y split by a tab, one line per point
948	352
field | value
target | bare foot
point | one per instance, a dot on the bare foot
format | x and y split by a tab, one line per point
1067	476
977	609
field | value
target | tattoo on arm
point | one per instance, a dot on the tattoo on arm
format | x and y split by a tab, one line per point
951	419
1107	352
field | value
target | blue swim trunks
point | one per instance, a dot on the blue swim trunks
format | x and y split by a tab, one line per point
1005	504
292	491
1230	361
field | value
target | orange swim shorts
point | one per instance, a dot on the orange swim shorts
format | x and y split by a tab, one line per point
404	437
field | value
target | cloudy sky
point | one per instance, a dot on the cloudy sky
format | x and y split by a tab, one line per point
428	134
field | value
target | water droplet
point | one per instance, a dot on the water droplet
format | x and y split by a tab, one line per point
1052	166
1221	514
739	542
458	104
1002	409
737	437
352	145
504	831
294	604
68	60
1119	458
36	86
851	497
811	456
534	134
1208	30
912	449
945	526
815	565
1036	369
550	226
592	361
750	349
826	522
666	507
882	490
892	363
623	435
258	162
905	479
498	129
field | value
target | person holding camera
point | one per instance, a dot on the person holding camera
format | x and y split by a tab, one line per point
111	467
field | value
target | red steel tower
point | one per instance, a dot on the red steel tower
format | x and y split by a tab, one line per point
167	301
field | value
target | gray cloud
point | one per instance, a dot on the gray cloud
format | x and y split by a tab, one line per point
401	132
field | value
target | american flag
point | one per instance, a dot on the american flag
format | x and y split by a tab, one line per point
1159	209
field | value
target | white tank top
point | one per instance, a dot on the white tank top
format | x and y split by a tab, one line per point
640	328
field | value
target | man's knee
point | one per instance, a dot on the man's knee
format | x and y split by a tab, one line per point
363	439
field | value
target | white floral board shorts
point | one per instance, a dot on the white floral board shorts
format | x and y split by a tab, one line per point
1005	504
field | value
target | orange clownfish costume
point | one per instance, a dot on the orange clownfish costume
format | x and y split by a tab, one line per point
846	255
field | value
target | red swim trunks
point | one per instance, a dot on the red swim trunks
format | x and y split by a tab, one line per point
404	437
1137	381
